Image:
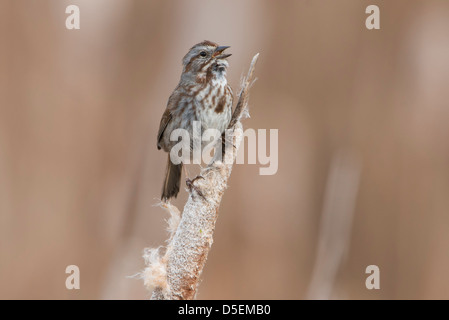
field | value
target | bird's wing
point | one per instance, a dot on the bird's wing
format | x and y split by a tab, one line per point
166	118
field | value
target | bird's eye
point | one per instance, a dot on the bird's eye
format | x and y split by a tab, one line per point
203	53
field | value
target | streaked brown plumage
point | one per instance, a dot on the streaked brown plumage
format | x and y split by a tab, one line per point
201	95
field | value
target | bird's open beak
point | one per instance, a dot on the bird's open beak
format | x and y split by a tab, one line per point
218	52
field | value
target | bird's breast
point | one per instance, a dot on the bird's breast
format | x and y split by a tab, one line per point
214	107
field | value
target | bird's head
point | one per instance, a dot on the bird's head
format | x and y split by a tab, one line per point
205	56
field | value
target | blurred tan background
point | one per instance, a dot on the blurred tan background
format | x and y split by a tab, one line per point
363	119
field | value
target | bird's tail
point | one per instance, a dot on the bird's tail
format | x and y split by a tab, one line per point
172	180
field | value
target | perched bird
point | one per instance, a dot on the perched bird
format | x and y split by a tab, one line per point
203	95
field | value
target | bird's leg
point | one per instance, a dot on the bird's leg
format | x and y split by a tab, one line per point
190	184
185	171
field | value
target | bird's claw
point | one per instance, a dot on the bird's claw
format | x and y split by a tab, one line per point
191	186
